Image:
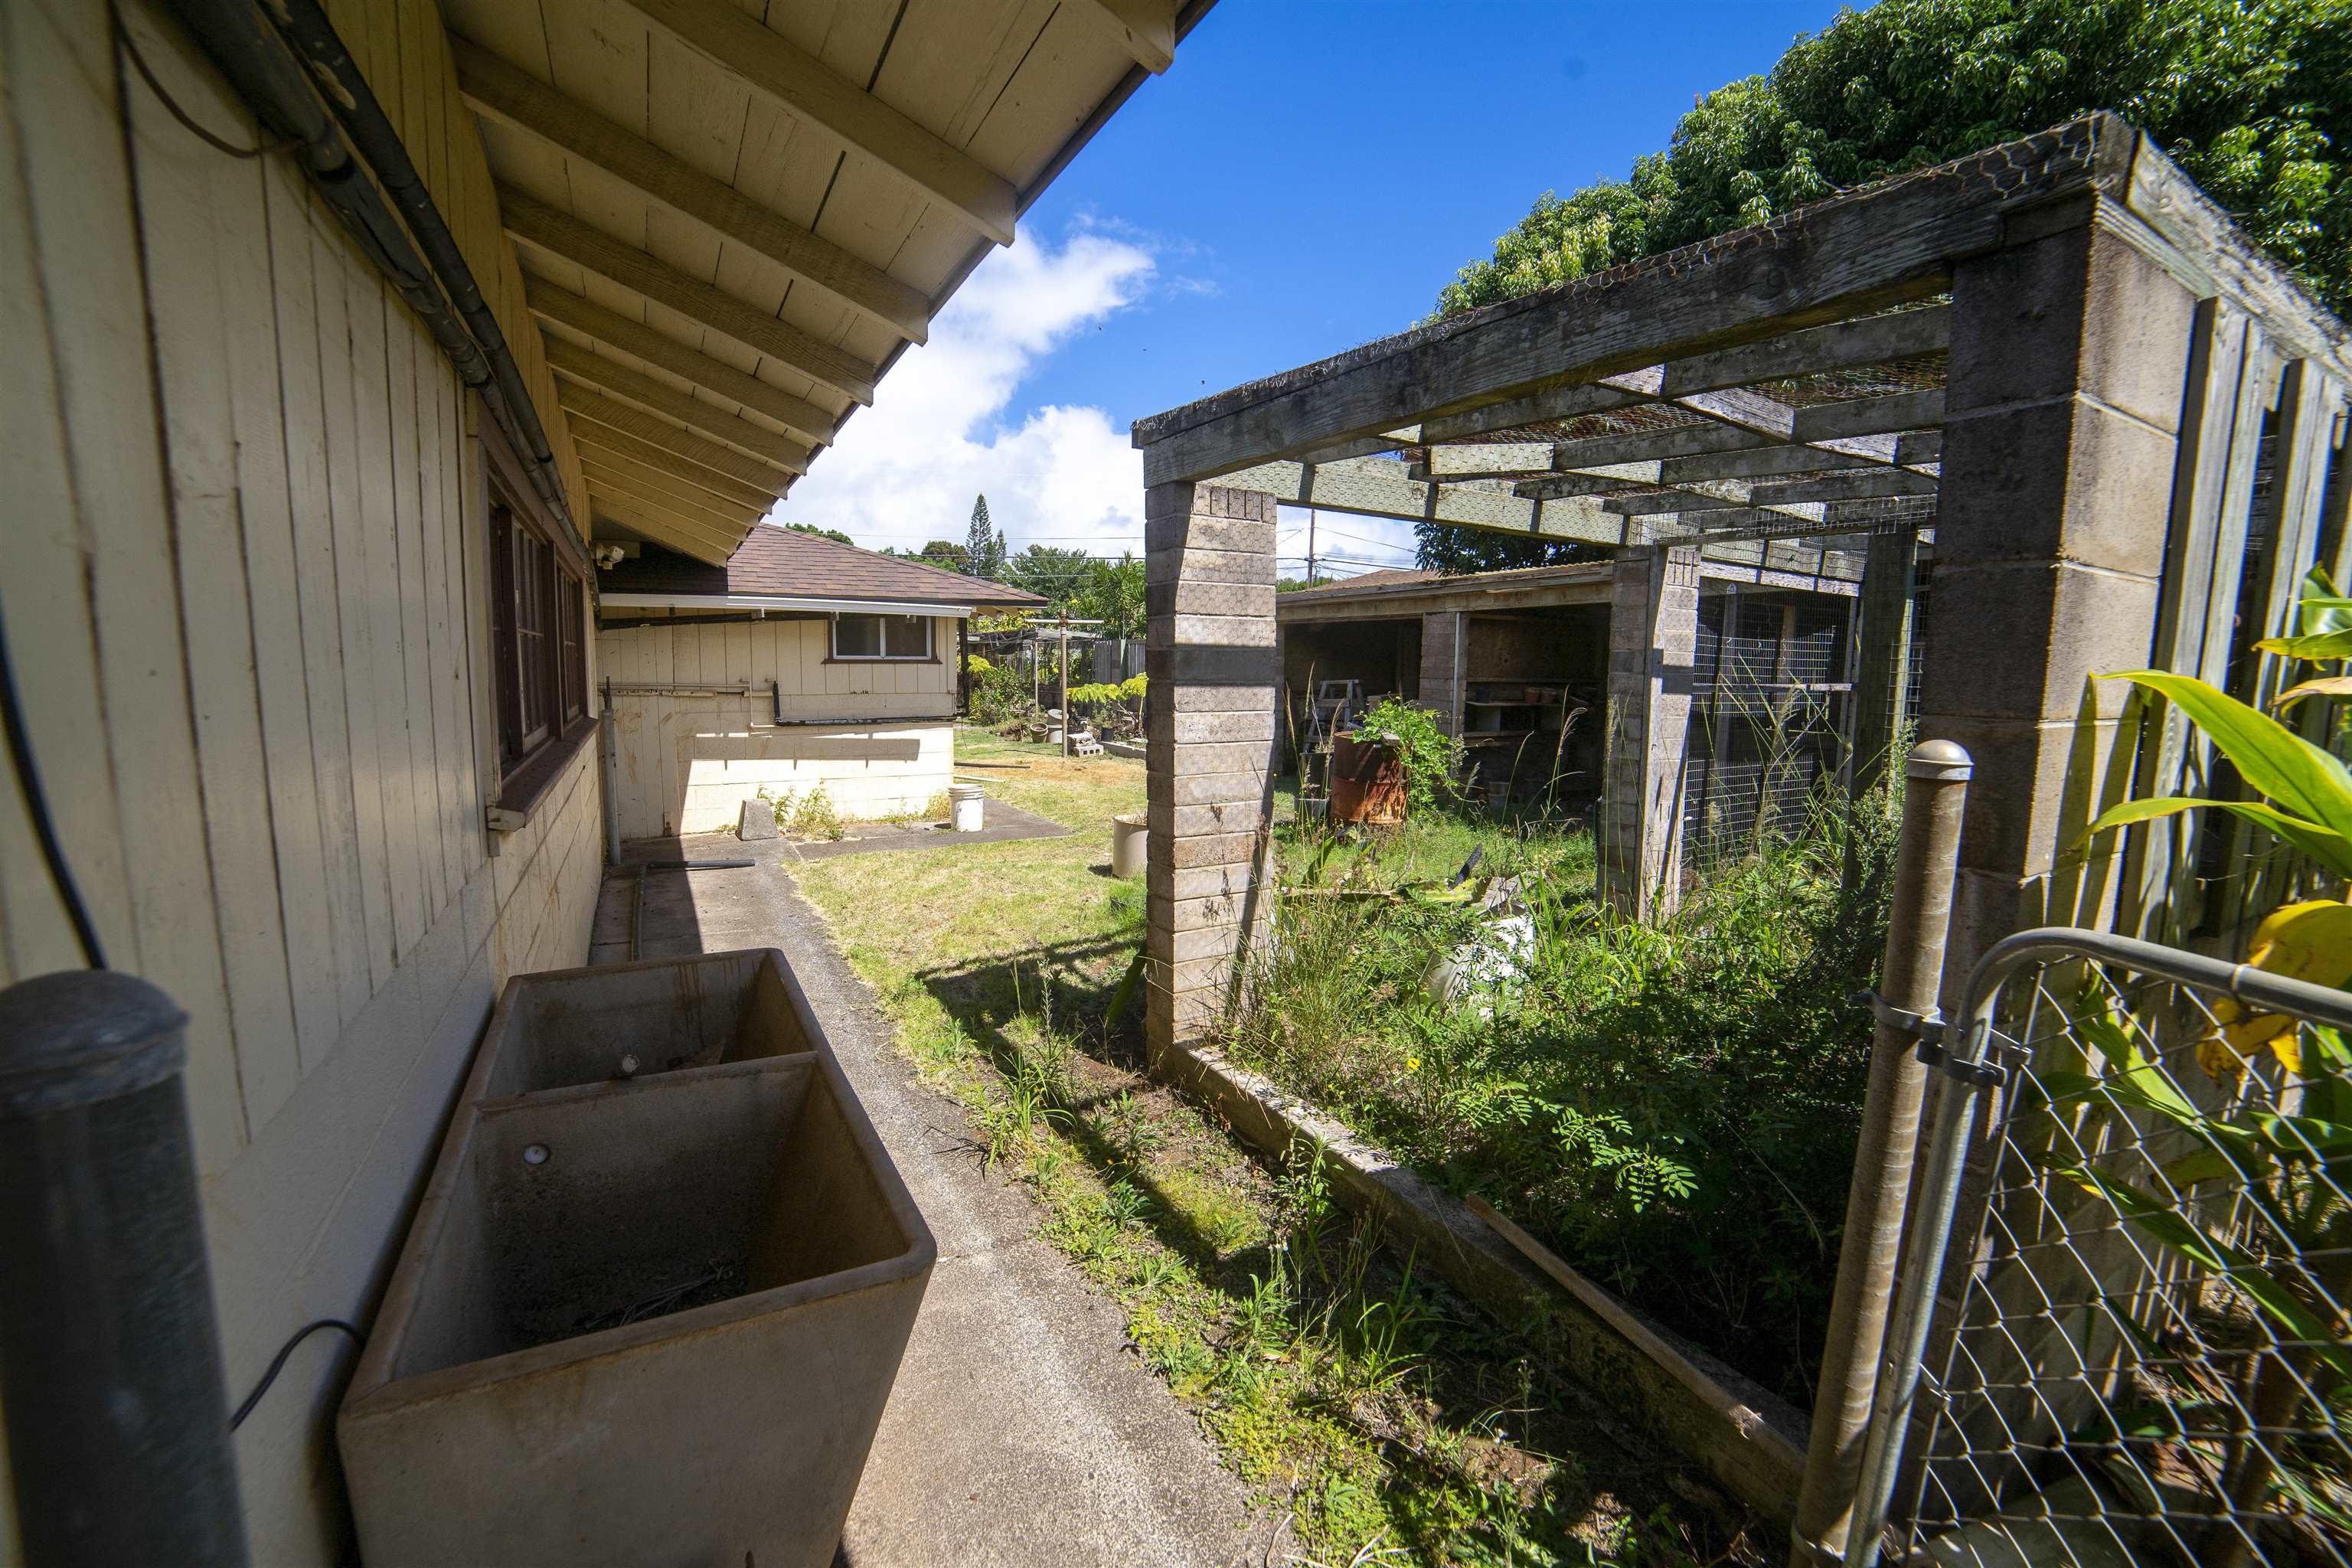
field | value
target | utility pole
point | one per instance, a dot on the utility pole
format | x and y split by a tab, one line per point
1311	547
1066	683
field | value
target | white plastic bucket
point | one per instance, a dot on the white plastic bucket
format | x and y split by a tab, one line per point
964	807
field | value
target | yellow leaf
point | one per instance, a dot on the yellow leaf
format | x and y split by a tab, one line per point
2309	942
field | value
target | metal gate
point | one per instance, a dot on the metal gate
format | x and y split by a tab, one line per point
2137	1352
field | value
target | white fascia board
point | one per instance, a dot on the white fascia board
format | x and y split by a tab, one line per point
775	602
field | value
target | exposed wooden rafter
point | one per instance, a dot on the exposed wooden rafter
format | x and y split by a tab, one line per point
520	100
699	486
1376	487
582	402
592	369
612	445
696	538
571	239
805	89
1146	29
665	352
704	508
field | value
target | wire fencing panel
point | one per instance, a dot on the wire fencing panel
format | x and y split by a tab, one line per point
2150	1360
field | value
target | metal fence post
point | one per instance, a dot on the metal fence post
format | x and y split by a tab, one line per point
1937	786
110	1365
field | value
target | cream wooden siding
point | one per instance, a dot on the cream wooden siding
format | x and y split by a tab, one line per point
243	601
685	763
401	47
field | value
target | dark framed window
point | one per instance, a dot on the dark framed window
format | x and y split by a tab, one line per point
857	636
537	632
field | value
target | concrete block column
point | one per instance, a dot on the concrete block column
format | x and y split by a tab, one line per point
1209	741
1653	644
1443	636
1890	580
2069	363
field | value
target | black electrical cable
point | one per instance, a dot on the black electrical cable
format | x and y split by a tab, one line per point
36	806
139	62
278	1365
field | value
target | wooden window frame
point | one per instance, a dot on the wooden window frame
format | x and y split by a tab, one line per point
539	582
931	654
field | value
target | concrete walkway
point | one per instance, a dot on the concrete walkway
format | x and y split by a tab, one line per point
1021	1431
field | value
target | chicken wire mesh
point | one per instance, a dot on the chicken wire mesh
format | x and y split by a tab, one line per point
2150	1362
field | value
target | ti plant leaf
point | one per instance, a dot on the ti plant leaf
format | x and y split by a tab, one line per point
2298	778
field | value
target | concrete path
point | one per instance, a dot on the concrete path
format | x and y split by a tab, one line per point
1020	1430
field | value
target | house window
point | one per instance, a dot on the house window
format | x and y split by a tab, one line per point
537	621
881	637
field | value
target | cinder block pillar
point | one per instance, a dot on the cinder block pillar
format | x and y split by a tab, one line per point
2069	360
1215	675
1890	573
1653	643
1442	638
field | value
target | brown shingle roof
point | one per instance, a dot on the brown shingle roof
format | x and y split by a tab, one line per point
784	563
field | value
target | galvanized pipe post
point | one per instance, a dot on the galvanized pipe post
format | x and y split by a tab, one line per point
1936	792
110	1365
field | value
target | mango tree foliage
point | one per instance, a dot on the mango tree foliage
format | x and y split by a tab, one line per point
2252	97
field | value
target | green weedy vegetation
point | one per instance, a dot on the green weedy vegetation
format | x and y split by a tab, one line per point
1672	1108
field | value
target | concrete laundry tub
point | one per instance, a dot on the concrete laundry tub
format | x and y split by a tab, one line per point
641	1321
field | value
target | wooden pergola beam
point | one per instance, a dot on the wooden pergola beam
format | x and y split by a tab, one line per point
1535	408
550	303
518	99
677	444
1755	463
568	238
1858	484
697	484
1363	488
1145	30
1885	245
592	369
1889	416
1644	445
805	89
1841	346
615	443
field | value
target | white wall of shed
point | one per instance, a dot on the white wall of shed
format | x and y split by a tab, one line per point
243	598
687	763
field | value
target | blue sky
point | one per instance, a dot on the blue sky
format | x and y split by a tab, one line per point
1307	175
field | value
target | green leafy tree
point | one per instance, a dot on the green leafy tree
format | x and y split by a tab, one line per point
984	545
1112	594
945	552
833	533
1059	575
2252	97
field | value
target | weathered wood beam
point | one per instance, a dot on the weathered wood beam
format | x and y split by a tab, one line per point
677	444
518	99
1559	487
560	235
1533	408
671	495
1659	502
665	352
1871	416
1919	449
603	483
1885	245
1145	30
1841	346
1487	459
805	89
1643	446
592	369
613	443
1755	463
1858	484
1361	486
1362	445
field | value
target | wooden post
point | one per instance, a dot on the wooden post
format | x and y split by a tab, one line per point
1883	669
1443	634
1653	645
1209	745
1065	627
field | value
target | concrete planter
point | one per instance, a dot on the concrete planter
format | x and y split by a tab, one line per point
1131	836
651	1321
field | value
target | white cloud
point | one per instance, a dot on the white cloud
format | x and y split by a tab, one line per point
905	469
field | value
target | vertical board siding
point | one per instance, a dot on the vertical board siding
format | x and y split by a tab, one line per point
246	601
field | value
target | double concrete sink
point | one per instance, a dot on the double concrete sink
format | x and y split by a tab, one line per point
654	1300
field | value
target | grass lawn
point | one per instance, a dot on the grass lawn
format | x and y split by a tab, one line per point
1394	1422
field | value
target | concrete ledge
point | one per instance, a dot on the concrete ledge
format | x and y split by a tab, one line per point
1448	1240
1124	749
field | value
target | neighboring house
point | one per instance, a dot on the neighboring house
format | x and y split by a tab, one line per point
802	663
305	454
1506	660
